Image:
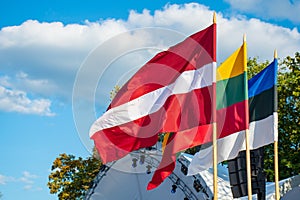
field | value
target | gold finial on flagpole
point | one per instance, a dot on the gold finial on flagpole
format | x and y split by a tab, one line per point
275	54
244	37
214	18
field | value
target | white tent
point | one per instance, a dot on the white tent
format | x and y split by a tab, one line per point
120	180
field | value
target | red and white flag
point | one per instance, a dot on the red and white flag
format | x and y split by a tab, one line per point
173	92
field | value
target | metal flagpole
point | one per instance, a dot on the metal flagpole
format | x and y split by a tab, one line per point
277	195
248	162
215	151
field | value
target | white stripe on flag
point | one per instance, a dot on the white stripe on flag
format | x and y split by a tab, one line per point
265	131
153	101
261	133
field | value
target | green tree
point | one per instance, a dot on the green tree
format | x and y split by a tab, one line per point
71	177
289	116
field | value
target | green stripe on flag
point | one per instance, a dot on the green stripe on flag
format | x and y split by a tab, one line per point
230	91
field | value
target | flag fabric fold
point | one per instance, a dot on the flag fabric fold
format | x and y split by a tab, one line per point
173	92
263	120
232	111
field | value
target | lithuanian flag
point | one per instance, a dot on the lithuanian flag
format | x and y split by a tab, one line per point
232	111
232	94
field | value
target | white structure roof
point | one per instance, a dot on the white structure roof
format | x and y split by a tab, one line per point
121	181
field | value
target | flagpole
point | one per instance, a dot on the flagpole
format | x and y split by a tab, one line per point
215	160
276	170
248	164
277	195
215	151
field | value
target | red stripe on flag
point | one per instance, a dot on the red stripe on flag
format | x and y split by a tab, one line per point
207	39
232	119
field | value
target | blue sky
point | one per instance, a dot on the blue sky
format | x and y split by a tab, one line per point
44	45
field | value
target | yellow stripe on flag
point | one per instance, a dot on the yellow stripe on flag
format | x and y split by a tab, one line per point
234	65
165	141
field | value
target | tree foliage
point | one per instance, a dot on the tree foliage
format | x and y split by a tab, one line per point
71	177
289	116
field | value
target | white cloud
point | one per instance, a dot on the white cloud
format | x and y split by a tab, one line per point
27	187
52	51
22	81
174	16
42	58
33	33
27	178
5	179
2	179
262	37
276	9
18	101
14	98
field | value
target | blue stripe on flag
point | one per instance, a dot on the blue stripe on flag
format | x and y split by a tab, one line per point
264	80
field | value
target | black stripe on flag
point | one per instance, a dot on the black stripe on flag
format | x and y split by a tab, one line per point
263	105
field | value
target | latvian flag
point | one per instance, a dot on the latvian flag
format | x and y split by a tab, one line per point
173	92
